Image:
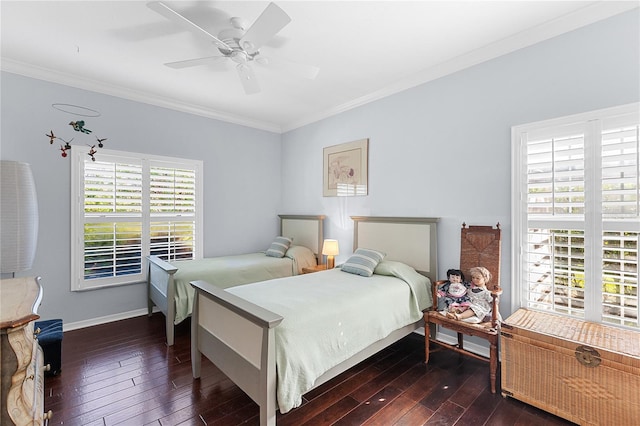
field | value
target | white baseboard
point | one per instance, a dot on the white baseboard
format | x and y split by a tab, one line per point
106	319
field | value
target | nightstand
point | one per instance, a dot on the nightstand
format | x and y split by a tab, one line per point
317	268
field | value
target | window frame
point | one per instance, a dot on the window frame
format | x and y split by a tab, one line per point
79	155
593	223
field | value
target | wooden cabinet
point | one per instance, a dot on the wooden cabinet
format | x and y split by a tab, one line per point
22	370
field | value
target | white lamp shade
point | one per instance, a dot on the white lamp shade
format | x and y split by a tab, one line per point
330	248
18	217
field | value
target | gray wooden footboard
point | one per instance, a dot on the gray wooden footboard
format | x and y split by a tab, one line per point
161	292
238	337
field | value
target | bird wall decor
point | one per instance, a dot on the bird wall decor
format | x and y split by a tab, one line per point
92	152
78	126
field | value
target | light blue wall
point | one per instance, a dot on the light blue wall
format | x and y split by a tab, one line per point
241	180
443	149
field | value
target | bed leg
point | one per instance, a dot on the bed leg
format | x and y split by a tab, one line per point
268	404
268	415
196	357
149	301
169	327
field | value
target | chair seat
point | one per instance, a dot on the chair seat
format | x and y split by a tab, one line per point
470	329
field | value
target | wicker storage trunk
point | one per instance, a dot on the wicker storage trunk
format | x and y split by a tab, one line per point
584	372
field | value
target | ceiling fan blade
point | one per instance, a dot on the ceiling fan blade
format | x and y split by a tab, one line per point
172	15
268	24
248	79
195	62
293	68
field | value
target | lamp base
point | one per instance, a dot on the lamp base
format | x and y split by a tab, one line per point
331	263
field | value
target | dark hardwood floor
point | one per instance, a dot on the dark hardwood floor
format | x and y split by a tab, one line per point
123	373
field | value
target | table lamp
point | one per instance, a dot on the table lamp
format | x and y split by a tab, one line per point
330	249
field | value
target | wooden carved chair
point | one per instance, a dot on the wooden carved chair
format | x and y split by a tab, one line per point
479	246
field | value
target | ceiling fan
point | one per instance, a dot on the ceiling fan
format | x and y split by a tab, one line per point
240	45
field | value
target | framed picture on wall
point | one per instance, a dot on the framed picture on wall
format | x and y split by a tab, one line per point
346	169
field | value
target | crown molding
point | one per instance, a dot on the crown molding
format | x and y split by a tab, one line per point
52	76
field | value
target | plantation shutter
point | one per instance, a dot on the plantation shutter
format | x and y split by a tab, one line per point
113	218
555	226
620	181
173	208
578	222
129	206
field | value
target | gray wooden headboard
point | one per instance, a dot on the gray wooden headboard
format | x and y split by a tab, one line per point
306	230
411	240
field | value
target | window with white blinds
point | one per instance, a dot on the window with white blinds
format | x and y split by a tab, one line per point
576	215
126	206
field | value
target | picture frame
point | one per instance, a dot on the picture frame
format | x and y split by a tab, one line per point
346	169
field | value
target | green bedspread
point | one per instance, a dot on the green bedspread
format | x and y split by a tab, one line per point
331	315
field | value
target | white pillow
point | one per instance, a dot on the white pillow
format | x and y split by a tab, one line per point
302	256
279	247
363	262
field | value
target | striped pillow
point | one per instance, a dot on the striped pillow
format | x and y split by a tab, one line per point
363	262
279	247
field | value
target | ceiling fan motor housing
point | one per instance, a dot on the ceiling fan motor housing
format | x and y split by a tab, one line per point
231	37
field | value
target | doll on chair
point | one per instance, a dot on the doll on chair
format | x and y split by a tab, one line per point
452	295
479	298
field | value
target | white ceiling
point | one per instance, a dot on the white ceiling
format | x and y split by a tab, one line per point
365	50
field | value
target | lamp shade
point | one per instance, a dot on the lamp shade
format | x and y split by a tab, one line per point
330	248
18	217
